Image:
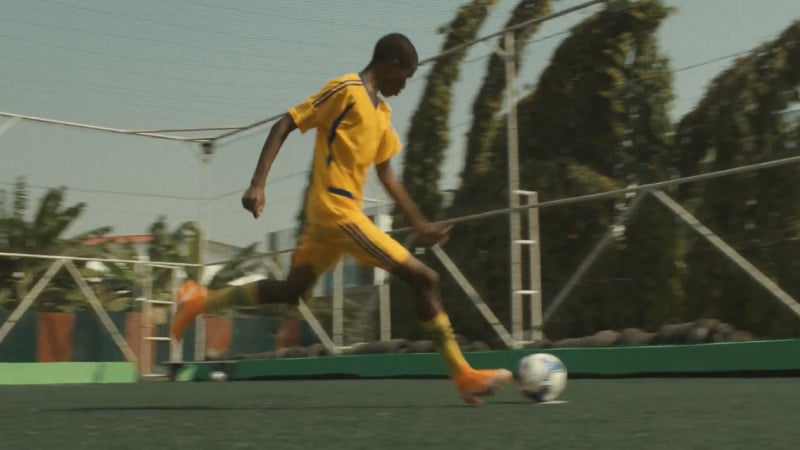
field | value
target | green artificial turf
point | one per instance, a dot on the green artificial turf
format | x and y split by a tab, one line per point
697	413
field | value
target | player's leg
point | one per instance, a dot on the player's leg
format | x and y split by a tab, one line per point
194	299
435	321
470	383
261	292
371	245
309	260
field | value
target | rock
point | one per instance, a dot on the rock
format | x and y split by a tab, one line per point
479	346
721	331
635	336
543	343
398	345
424	346
366	348
674	333
291	352
571	343
740	336
605	338
317	350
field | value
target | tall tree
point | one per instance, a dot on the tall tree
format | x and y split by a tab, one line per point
739	121
595	121
471	246
488	101
428	134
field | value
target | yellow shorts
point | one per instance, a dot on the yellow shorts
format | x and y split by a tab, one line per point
321	246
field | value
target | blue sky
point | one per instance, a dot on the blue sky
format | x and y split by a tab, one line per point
156	64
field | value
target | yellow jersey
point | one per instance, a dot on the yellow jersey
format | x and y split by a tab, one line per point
353	132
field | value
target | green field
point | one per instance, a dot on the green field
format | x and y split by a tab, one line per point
699	413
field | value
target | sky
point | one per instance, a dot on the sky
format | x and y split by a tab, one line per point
176	64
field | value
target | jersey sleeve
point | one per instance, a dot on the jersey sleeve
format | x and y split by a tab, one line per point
390	145
322	107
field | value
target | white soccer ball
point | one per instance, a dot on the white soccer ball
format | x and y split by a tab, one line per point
219	375
542	377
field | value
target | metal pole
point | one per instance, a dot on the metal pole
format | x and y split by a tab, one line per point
98	128
306	312
589	261
515	253
338	304
101	313
3	229
146	324
9	124
202	242
382	280
534	262
175	348
451	50
473	295
623	191
384	299
28	300
323	337
729	252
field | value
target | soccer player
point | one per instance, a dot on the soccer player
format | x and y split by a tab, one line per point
353	132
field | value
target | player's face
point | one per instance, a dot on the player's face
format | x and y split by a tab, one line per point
396	78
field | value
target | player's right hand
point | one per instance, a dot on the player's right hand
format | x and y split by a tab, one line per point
253	200
433	233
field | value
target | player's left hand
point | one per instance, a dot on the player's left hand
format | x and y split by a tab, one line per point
433	233
253	200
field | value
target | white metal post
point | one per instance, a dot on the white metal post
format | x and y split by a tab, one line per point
384	222
175	348
146	323
534	263
206	155
384	299
338	304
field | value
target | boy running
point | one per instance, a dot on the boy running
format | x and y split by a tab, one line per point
353	132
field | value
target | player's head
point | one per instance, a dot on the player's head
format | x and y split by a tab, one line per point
395	60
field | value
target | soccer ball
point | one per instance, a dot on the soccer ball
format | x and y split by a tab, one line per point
541	377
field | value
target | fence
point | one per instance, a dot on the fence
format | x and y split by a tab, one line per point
515	308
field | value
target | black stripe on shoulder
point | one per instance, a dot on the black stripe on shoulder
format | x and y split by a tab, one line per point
330	92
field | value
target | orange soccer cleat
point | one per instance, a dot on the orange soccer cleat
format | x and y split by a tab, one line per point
472	384
191	303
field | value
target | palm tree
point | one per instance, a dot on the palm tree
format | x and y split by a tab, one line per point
42	234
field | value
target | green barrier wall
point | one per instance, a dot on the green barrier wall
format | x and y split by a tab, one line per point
68	373
90	340
729	358
20	344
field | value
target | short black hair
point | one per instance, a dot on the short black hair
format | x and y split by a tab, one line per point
395	46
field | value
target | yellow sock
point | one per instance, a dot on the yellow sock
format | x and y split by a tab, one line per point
228	297
441	332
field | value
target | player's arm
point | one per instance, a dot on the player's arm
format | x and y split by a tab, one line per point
253	198
277	135
430	233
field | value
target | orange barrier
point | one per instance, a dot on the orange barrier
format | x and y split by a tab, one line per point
54	336
219	334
